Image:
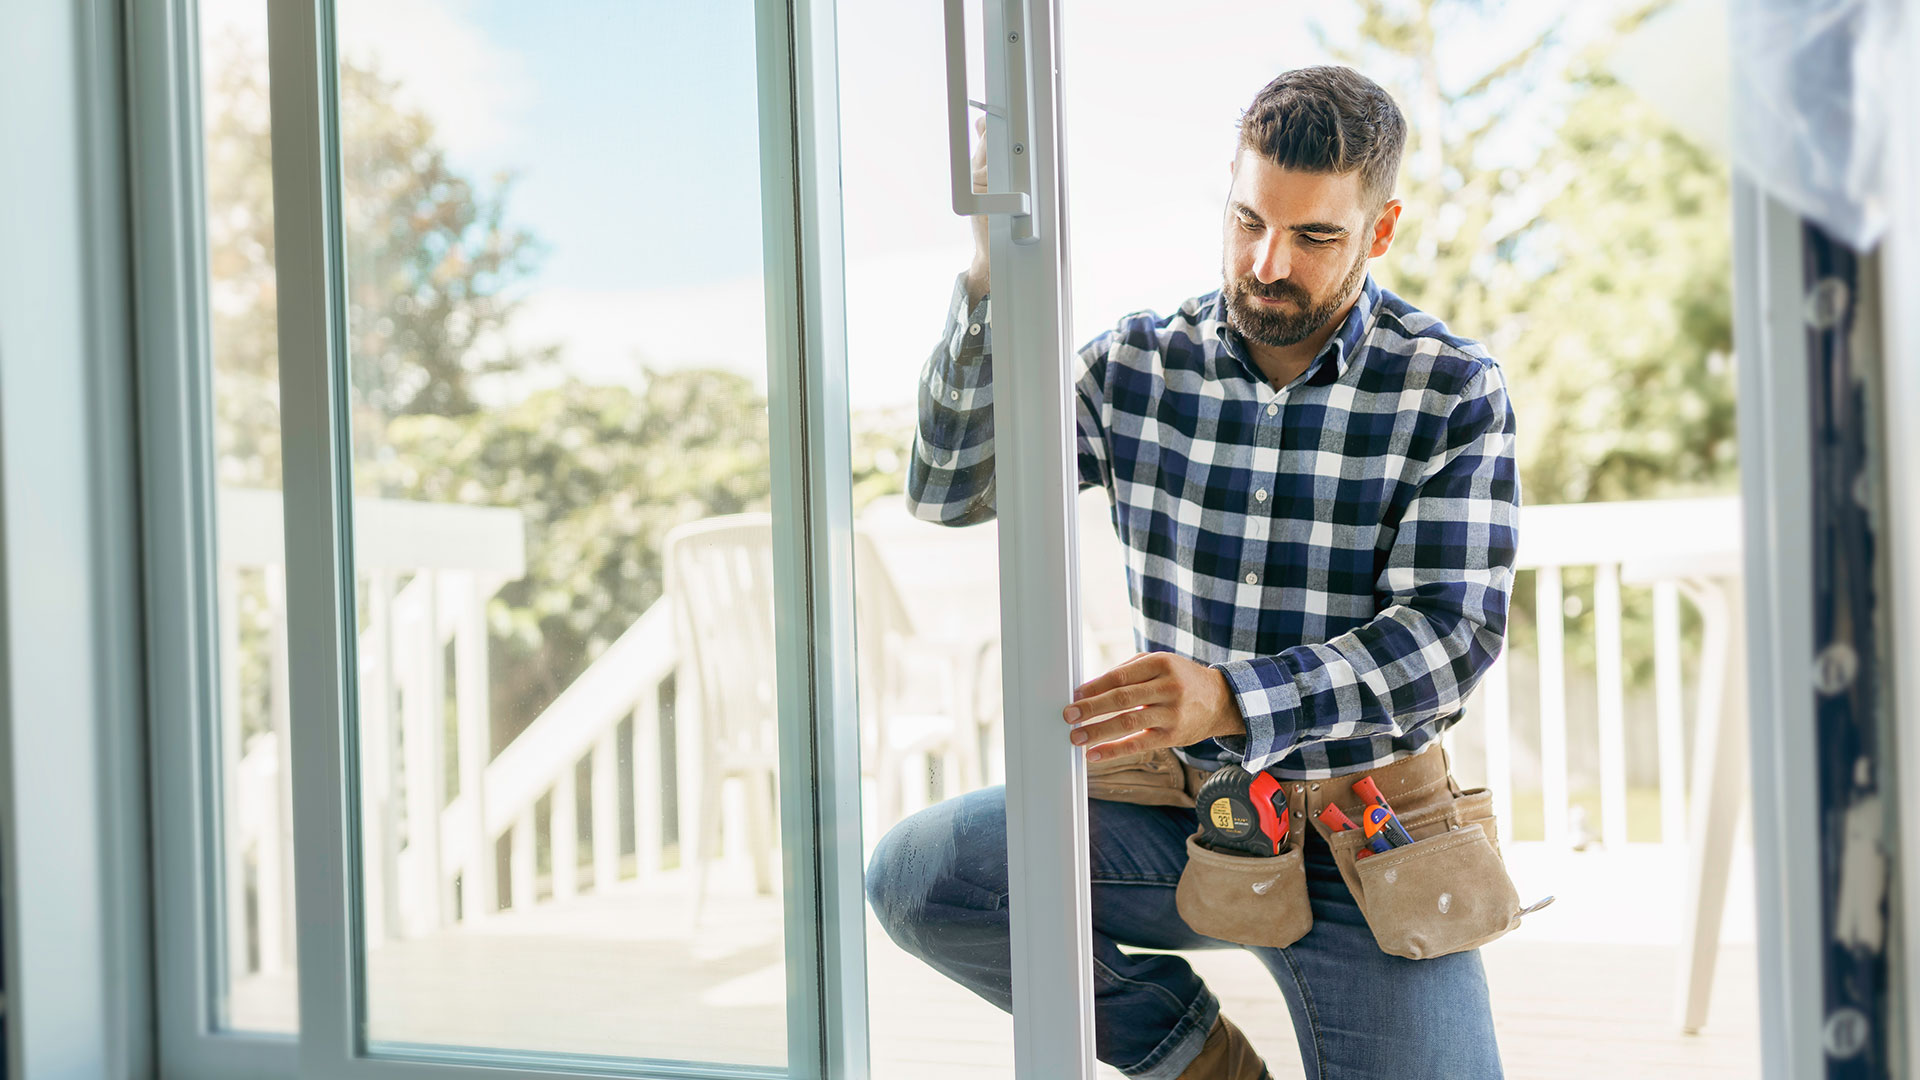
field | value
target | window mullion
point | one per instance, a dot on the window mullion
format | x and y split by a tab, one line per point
318	520
813	540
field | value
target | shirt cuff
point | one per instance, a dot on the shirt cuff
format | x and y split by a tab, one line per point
1269	703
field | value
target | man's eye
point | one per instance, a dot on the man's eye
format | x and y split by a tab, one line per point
1317	241
1249	224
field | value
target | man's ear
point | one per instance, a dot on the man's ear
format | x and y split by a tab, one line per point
1383	228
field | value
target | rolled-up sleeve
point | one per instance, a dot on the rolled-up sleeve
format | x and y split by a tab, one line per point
950	476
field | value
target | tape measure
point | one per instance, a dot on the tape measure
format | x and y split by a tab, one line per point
1242	813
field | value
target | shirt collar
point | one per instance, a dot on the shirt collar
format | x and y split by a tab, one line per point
1334	358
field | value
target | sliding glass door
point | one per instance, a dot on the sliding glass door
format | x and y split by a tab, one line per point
977	855
570	651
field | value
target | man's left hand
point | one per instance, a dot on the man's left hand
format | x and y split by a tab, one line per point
1156	699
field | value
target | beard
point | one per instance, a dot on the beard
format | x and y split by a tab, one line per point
1280	327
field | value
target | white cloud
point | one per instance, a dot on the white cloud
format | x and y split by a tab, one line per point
475	91
607	335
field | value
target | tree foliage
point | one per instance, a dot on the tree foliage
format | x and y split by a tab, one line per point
431	262
431	266
600	473
1592	258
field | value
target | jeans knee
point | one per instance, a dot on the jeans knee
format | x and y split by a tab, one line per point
897	888
939	876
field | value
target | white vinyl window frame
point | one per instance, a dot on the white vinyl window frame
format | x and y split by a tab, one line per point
1777	500
177	440
819	735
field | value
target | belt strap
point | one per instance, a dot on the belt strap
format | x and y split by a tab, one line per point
1408	785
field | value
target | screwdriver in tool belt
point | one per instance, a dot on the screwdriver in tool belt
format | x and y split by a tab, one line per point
1380	818
1337	820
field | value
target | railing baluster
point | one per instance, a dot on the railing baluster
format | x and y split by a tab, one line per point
606	809
270	899
520	862
1497	693
647	801
1609	670
377	873
234	805
565	829
276	869
444	864
425	794
476	744
1668	705
1550	613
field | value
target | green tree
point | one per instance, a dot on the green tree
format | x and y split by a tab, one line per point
601	473
1623	347
432	264
1594	262
431	276
1591	255
240	261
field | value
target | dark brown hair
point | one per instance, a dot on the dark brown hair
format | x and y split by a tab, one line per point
1329	119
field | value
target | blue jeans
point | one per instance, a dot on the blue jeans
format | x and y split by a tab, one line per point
938	884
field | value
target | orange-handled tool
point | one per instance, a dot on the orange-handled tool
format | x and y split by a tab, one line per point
1380	818
1336	819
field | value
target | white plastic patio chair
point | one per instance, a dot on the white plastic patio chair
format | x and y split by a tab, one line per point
719	577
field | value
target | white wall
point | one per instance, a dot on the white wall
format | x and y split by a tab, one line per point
71	784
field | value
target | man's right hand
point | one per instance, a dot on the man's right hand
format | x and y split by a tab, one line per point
977	273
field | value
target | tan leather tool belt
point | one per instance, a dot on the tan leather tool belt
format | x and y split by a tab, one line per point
1446	892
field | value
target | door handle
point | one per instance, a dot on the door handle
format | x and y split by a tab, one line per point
1019	201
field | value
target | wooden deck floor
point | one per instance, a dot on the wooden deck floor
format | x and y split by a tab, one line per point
626	974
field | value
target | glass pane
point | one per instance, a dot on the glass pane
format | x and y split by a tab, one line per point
561	495
254	891
928	595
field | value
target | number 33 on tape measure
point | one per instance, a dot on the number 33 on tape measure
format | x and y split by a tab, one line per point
1242	813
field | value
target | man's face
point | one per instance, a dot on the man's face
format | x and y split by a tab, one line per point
1297	245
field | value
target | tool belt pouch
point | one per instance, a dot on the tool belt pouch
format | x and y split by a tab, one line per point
1446	892
1246	899
1151	778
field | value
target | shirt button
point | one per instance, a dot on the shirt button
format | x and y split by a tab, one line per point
1253	579
974	329
1261	495
1273	410
953	395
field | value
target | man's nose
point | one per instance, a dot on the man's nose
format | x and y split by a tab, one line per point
1270	259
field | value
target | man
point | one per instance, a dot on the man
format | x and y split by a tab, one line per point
1315	485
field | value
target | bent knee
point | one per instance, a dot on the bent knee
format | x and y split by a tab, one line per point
919	876
901	875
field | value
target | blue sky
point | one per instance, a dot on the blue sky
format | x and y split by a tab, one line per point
637	142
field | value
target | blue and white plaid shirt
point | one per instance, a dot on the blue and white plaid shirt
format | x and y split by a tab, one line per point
1341	549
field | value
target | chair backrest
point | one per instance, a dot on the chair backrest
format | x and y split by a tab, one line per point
882	628
720	582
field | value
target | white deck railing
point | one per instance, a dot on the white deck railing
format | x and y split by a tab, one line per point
1675	548
434	850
